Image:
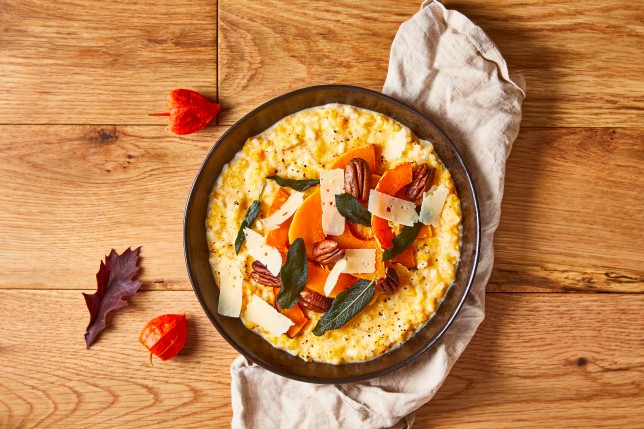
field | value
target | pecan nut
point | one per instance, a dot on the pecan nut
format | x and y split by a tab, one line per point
389	283
422	178
264	277
327	252
314	301
357	178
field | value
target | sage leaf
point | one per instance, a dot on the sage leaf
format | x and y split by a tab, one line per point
402	241
298	185
345	306
351	209
251	216
294	274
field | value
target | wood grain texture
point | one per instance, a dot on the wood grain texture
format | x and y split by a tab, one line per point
265	49
555	361
49	379
72	193
79	62
530	365
583	61
571	205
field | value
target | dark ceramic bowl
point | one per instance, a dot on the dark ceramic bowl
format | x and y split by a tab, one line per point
196	247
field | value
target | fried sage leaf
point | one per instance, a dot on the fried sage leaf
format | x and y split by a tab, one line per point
249	220
351	209
298	185
294	274
402	241
345	306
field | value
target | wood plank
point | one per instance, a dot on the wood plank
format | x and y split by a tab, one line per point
555	361
582	61
50	380
557	368
266	50
572	204
79	62
83	190
72	193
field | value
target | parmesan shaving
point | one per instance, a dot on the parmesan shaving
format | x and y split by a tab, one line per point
334	275
331	184
392	209
230	288
432	206
283	213
265	316
267	255
355	261
395	145
360	261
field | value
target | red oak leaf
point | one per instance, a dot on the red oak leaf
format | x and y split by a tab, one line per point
114	282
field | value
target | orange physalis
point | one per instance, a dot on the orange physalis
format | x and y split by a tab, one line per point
189	111
165	335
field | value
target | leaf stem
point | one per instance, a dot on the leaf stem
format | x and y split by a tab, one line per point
261	191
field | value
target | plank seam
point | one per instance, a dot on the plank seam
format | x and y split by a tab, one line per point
217	59
553	292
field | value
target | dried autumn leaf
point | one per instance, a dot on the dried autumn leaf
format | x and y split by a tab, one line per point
165	336
114	282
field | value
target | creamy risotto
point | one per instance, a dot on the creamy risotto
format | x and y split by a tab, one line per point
411	205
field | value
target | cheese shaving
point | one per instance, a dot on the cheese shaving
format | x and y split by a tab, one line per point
258	249
283	213
360	261
331	184
392	209
432	206
230	288
355	261
265	316
395	146
334	275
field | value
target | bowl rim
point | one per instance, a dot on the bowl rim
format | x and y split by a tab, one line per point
460	302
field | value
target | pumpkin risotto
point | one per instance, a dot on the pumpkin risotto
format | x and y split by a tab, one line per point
334	234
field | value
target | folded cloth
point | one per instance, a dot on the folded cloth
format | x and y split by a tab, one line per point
449	69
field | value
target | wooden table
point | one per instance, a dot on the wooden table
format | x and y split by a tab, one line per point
84	170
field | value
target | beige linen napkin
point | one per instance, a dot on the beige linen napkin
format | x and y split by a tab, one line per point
447	68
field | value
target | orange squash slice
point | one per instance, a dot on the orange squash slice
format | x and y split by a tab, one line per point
368	153
317	278
294	313
307	223
391	182
278	238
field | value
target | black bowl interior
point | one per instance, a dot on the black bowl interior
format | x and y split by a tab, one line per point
253	346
